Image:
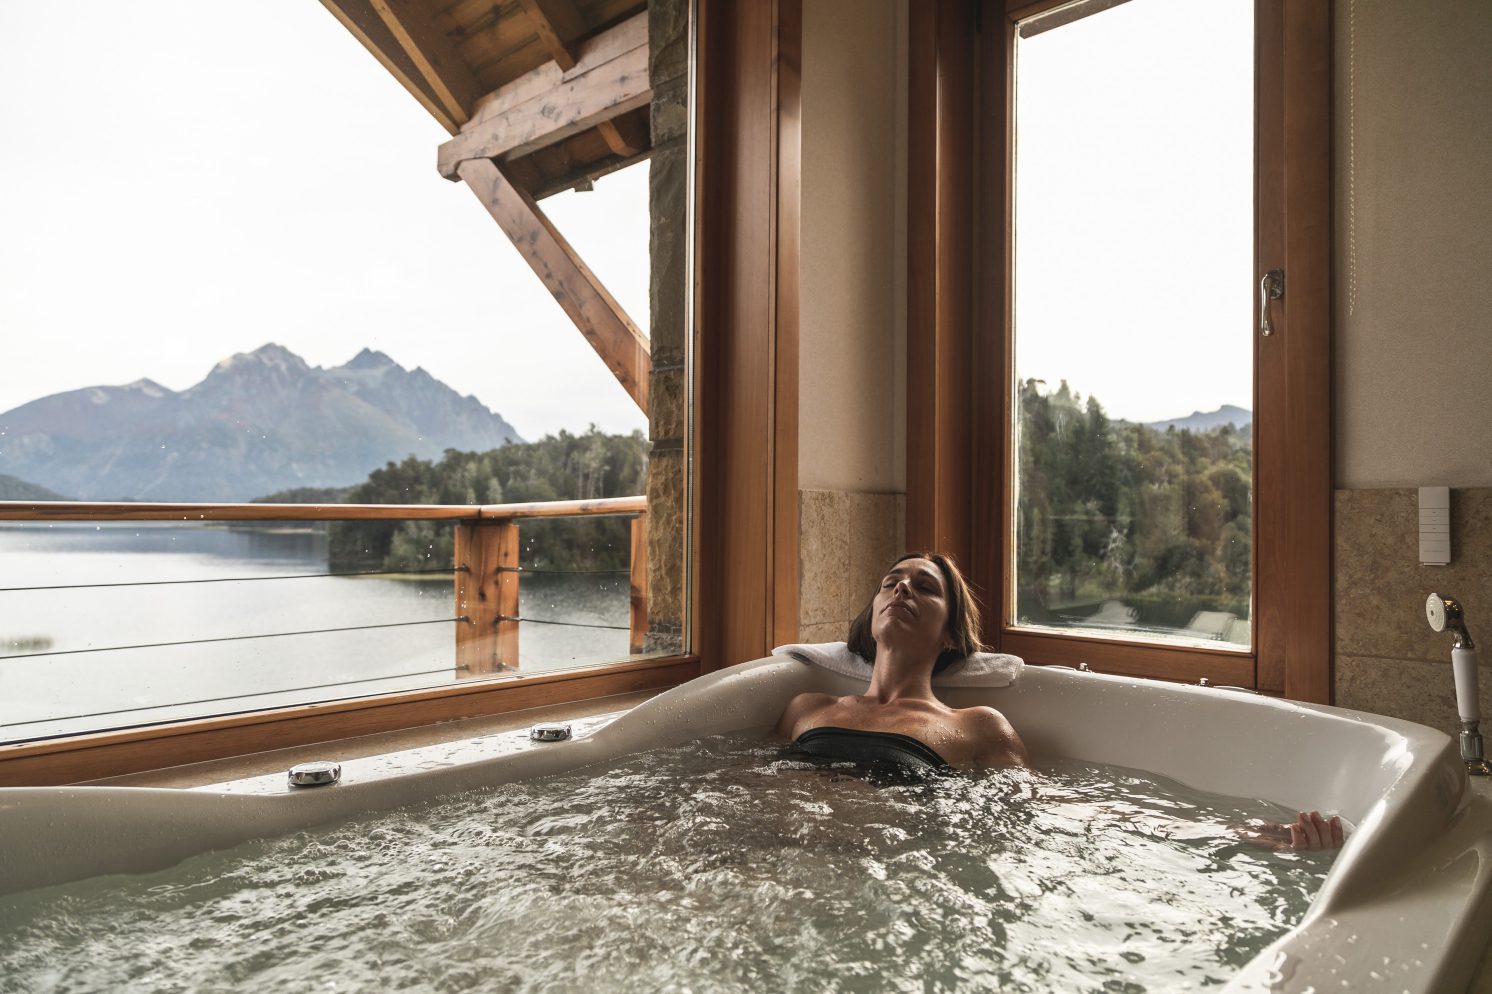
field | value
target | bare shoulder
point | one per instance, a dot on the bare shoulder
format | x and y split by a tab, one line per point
800	708
996	742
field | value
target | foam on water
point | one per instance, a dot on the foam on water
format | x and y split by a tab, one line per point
726	865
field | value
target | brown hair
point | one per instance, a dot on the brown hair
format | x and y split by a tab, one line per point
963	616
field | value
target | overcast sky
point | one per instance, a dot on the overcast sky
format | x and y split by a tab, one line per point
1134	207
181	180
185	179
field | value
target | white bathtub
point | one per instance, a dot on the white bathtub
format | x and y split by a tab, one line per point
1406	907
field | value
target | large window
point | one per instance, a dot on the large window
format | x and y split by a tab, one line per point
1150	406
1133	347
365	386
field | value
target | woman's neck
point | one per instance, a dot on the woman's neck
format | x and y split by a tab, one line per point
900	676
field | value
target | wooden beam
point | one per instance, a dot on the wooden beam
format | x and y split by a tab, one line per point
614	139
359	18
559	24
486	593
746	564
595	312
594	51
1306	600
78	510
637	596
548	105
549	186
940	276
430	49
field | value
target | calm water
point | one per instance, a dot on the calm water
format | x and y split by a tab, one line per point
50	694
728	865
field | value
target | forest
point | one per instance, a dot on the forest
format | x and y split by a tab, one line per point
1111	509
557	467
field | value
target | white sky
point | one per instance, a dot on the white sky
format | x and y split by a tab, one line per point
181	180
185	179
1134	207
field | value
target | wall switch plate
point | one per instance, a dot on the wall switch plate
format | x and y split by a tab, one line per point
1435	526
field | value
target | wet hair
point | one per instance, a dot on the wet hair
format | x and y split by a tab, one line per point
963	615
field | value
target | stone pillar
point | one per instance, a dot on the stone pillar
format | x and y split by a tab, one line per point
668	248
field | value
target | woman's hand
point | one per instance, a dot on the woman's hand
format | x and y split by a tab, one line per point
1314	832
1309	832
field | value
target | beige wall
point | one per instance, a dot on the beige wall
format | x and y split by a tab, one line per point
1413	248
852	380
1413	347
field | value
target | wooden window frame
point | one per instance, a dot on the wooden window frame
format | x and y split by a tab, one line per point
958	428
742	549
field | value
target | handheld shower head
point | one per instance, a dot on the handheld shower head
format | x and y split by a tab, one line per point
1445	613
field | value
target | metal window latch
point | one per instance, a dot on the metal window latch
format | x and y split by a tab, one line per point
1271	287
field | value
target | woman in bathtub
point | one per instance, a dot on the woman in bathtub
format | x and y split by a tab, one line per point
921	620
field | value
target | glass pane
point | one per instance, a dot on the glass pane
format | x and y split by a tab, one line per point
1133	312
319	317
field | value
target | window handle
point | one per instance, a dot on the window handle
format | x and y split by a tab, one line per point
1271	287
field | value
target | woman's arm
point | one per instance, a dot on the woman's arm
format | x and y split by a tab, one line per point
996	742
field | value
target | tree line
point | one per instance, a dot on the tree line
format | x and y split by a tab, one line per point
557	467
1113	509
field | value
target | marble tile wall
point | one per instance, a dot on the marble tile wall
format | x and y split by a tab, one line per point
1388	661
846	539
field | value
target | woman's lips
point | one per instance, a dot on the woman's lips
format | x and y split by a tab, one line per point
901	606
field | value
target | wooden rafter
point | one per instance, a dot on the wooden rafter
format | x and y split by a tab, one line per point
559	25
365	24
430	50
594	311
622	136
548	105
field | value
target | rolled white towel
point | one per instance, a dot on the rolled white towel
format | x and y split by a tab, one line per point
982	669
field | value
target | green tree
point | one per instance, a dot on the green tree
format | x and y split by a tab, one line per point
557	467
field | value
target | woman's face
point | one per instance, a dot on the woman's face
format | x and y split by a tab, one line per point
910	611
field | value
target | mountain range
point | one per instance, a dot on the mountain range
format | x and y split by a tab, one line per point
1207	420
259	422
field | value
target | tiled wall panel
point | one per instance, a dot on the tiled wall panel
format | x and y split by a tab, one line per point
847	540
1388	661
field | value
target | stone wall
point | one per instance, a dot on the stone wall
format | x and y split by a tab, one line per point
846	541
668	248
1388	661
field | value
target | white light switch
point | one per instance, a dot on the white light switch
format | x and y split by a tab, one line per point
1435	526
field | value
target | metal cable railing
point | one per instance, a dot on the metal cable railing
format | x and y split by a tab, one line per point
543	621
568	572
235	638
487	533
233	579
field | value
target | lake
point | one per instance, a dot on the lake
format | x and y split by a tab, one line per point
54	681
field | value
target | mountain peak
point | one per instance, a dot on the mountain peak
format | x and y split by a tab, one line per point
270	355
370	359
148	387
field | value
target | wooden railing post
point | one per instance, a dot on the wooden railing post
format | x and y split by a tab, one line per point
487	597
638	621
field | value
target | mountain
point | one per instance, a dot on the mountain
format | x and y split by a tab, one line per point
14	489
1207	420
260	422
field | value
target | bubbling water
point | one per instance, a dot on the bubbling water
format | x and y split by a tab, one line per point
725	865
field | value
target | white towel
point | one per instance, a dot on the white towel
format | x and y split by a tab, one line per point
982	669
